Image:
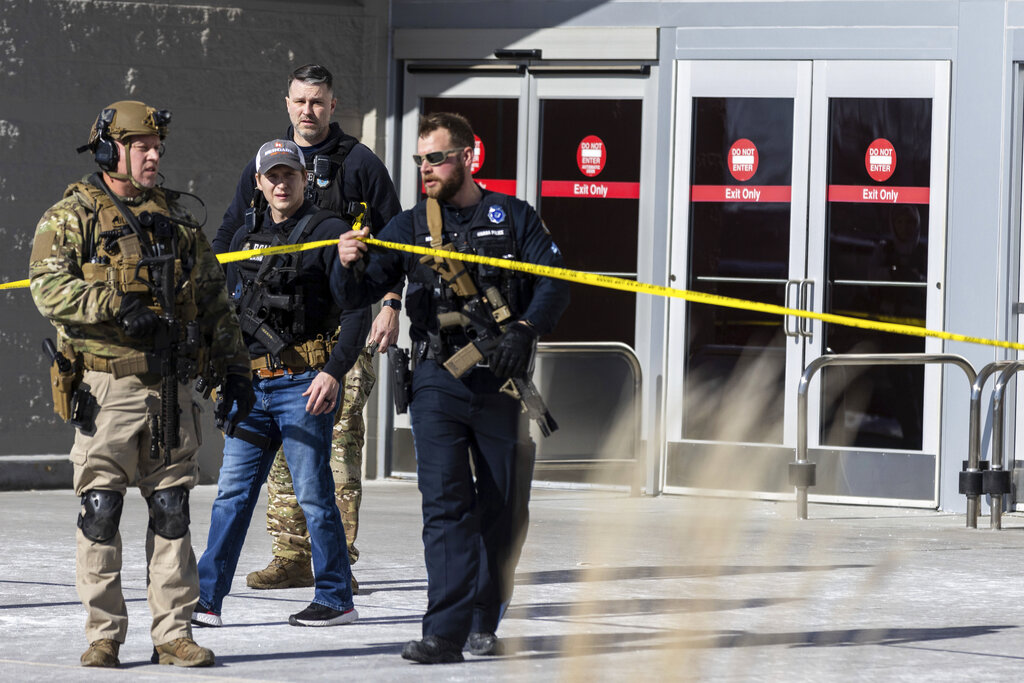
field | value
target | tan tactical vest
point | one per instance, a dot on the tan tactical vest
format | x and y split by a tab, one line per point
118	267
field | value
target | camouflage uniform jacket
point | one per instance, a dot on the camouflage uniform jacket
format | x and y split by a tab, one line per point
83	309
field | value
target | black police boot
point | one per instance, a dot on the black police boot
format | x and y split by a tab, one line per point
433	650
485	644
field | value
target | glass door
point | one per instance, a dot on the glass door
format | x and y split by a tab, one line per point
569	142
739	230
586	185
820	186
571	146
496	108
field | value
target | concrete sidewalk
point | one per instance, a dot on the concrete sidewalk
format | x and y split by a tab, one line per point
609	588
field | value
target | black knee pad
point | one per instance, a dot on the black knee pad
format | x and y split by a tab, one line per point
168	512
102	514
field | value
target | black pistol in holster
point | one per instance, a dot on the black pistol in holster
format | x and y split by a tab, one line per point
72	400
401	378
255	307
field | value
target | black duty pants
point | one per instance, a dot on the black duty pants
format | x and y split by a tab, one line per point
473	527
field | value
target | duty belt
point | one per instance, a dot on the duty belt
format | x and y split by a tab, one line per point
131	364
310	354
421	351
439	351
269	366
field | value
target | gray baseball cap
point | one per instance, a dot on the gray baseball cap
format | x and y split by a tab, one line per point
278	152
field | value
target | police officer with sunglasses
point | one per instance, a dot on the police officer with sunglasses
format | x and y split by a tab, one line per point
474	518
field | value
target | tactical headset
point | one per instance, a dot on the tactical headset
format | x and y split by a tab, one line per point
104	150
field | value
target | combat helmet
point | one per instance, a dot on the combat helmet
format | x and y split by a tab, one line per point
120	121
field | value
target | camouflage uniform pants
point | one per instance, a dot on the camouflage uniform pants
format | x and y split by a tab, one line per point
284	516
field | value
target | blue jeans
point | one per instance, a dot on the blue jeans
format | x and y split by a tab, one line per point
280	414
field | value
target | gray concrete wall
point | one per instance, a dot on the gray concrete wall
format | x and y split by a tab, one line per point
221	69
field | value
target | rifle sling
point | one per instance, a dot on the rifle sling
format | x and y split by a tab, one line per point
454	273
129	217
301	231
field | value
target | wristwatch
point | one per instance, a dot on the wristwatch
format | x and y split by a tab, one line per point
392	303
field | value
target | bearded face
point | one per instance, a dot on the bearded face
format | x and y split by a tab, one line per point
445	187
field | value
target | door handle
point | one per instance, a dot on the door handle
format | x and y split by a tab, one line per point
792	286
805	327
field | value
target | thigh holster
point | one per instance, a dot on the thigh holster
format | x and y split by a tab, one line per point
101	514
168	512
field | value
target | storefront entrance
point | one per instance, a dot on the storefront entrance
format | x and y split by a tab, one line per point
819	186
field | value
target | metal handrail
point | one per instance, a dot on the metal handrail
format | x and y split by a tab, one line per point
974	436
802	463
627	353
998	419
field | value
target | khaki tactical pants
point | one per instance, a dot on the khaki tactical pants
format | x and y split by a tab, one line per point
285	522
116	455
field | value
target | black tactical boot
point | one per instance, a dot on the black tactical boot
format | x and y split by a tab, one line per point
433	650
485	644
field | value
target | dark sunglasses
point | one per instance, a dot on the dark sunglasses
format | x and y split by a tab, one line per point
435	158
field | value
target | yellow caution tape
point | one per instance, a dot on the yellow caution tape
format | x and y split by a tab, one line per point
611	282
244	254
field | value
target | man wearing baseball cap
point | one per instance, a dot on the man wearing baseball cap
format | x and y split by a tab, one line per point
289	316
341	172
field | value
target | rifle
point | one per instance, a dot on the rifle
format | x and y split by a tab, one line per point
483	318
173	343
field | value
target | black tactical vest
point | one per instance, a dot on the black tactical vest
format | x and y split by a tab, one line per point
325	180
271	287
488	233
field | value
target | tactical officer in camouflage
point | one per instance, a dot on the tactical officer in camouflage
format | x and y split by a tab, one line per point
339	171
96	268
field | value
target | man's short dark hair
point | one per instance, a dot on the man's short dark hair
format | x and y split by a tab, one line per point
457	126
313	74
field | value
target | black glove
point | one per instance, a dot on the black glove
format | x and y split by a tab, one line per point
511	357
134	317
236	390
